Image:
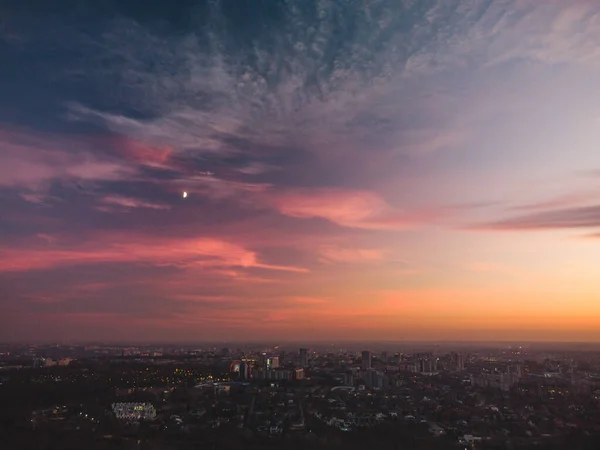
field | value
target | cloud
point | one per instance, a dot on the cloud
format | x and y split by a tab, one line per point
49	239
298	88
359	98
305	139
257	168
350	208
567	200
201	91
29	161
218	188
206	97
503	31
577	217
139	152
335	254
201	253
130	202
183	130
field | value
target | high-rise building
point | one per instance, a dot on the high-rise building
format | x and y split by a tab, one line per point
275	375
244	371
262	361
299	374
303	357
366	360
374	379
426	363
458	362
516	370
39	362
384	357
273	362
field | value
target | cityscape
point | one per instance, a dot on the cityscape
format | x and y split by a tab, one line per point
495	396
299	224
394	395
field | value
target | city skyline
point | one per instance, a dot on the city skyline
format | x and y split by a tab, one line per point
300	171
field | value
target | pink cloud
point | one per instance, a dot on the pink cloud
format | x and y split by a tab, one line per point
31	160
335	254
142	153
218	188
47	299
551	219
350	208
49	239
184	253
130	202
33	197
566	200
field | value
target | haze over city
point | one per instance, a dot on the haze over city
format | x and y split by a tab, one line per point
300	171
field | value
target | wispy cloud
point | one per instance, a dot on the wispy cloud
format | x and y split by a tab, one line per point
257	168
578	217
336	254
315	145
29	161
138	152
215	187
130	202
351	208
563	201
183	253
204	100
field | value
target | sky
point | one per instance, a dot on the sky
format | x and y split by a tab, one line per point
354	169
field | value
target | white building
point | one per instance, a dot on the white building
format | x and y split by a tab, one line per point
134	412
